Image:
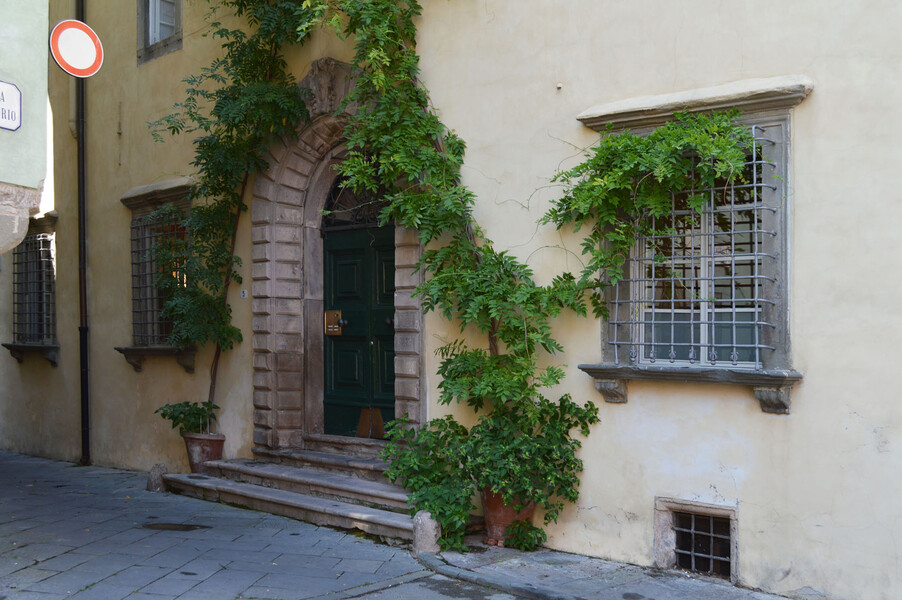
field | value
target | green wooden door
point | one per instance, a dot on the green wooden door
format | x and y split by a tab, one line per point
359	280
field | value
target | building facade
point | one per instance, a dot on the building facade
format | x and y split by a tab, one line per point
24	114
785	435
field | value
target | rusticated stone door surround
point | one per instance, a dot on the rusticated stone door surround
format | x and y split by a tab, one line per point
287	277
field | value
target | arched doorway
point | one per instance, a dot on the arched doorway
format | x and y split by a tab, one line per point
288	285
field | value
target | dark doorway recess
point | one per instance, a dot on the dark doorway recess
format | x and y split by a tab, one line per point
359	281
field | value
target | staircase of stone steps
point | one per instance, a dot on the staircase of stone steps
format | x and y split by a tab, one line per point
337	482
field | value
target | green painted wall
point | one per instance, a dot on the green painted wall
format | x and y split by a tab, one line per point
24	34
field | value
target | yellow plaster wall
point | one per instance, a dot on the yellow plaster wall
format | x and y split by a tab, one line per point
44	414
817	491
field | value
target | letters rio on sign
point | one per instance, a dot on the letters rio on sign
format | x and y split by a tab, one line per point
10	106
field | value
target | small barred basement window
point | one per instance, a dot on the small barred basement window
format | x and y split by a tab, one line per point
34	291
696	536
702	543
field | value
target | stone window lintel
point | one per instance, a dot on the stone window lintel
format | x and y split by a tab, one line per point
144	199
748	95
771	386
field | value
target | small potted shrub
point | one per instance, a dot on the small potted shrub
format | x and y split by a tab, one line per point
193	420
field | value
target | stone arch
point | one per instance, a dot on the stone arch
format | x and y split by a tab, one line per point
287	277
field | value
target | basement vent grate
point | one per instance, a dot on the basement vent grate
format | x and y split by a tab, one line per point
702	543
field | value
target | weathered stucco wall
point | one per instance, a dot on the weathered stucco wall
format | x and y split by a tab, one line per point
121	155
815	491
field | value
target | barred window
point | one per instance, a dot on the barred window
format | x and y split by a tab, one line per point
34	291
149	328
150	331
710	290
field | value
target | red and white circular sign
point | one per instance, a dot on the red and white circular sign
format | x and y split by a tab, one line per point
76	48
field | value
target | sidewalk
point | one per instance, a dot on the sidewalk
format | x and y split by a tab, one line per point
93	533
551	575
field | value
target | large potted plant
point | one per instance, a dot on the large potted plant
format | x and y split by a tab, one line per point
194	420
519	455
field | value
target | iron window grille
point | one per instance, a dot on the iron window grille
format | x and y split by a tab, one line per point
34	291
149	327
707	288
345	209
702	543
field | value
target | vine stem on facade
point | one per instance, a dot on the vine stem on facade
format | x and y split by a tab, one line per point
214	365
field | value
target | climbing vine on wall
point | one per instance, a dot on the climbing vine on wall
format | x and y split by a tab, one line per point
246	100
522	444
236	108
627	183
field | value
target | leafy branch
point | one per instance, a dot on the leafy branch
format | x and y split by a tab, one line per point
397	143
236	108
627	183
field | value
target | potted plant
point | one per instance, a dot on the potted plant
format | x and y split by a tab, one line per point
194	420
518	456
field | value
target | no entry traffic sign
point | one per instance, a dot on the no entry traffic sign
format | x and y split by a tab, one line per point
76	48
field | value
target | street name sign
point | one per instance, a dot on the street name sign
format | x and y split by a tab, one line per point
10	106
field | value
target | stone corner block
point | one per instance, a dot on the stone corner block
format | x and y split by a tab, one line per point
155	481
426	532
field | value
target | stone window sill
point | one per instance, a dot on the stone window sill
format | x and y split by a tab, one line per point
136	355
161	48
48	351
771	387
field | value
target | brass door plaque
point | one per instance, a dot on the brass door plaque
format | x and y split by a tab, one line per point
333	322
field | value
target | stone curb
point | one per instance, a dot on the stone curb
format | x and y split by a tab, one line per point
370	588
435	563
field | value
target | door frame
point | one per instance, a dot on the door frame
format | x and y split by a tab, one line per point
287	277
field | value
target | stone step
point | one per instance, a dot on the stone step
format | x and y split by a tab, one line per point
337	486
372	469
341	444
320	511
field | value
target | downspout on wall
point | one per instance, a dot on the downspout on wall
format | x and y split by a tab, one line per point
82	259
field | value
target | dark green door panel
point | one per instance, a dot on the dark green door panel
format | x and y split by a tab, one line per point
358	279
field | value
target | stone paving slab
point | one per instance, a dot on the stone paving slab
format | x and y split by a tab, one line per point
84	533
547	574
93	533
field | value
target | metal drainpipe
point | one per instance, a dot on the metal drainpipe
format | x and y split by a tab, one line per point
82	260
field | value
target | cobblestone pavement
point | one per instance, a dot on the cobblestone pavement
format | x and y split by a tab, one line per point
94	533
89	533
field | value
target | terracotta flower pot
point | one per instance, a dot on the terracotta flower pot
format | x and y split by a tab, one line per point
201	448
499	516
